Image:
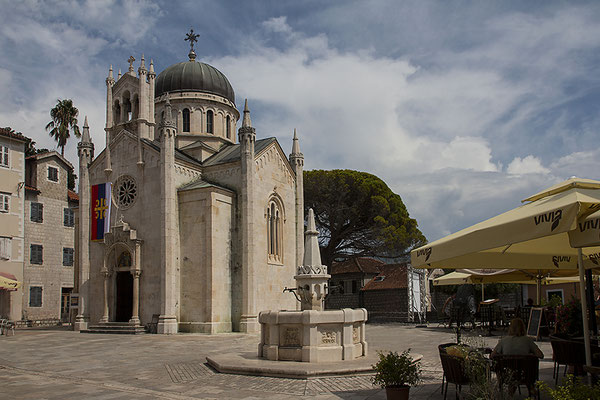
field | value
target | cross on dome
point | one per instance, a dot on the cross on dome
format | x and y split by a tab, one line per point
192	38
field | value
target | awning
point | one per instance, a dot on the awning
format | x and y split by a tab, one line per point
8	281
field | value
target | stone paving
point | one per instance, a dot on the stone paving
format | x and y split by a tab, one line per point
58	364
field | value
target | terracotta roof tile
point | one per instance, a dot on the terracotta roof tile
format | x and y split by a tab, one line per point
72	196
365	265
14	135
394	277
33	189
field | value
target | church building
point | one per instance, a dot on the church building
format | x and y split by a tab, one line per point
181	222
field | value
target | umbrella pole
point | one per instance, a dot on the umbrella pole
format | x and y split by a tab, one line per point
584	311
538	286
482	292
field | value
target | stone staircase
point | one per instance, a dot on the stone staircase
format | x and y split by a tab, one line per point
122	328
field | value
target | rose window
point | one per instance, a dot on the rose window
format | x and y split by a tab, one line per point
126	191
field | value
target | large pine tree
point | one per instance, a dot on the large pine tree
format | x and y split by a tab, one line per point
357	214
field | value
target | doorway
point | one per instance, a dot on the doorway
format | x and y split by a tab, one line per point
124	296
65	304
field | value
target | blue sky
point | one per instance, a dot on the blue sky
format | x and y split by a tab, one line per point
463	107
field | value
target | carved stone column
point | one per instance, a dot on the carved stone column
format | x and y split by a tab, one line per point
104	318
135	309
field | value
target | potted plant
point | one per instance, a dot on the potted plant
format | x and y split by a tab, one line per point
568	319
396	373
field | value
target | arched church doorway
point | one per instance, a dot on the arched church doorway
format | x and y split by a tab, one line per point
124	286
124	296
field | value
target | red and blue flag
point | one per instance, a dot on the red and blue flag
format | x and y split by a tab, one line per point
100	210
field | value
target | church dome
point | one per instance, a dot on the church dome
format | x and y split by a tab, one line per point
193	76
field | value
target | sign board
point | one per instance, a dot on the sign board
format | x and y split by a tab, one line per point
536	321
75	300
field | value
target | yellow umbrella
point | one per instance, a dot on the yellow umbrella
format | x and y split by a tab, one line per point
9	281
460	278
527	277
532	236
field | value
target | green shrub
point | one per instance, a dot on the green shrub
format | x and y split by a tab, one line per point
572	389
395	369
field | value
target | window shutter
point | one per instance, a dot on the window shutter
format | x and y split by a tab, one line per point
40	216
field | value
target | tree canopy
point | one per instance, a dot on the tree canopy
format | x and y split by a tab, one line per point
64	120
358	215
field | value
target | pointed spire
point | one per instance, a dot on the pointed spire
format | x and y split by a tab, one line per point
295	144
312	254
85	136
246	122
110	72
151	66
119	76
143	62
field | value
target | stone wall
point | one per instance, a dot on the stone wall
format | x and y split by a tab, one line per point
386	304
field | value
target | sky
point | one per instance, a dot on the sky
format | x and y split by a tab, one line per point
463	108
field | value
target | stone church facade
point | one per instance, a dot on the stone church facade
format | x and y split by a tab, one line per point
206	226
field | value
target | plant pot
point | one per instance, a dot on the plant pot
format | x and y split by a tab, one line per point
397	392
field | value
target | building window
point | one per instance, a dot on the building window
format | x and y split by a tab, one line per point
186	119
209	121
5	248
354	286
35	296
37	212
4	156
69	217
67	257
53	174
36	254
4	202
228	127
274	232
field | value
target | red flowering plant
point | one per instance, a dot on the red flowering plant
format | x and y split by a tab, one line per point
568	318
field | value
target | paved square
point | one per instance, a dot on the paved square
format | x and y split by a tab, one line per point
58	364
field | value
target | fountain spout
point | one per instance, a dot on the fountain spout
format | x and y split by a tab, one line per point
292	291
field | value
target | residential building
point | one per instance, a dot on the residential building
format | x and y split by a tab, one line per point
12	231
49	237
347	279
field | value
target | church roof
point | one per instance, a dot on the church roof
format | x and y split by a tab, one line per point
200	184
193	76
180	155
233	153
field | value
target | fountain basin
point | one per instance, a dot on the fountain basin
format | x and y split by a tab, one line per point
313	336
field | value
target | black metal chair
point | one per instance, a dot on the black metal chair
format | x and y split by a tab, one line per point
454	371
519	370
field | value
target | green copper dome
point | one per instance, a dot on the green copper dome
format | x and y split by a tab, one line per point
192	76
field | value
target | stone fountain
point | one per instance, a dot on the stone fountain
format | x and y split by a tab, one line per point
312	334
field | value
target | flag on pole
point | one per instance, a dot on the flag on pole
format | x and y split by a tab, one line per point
100	210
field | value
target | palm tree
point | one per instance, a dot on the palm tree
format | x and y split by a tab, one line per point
64	119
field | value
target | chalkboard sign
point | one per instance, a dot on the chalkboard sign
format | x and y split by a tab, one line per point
536	320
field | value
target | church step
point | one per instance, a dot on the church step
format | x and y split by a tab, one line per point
115	328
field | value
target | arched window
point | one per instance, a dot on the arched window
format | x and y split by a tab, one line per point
274	231
228	127
209	121
117	116
186	119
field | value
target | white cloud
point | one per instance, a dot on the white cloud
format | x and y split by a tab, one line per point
527	165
